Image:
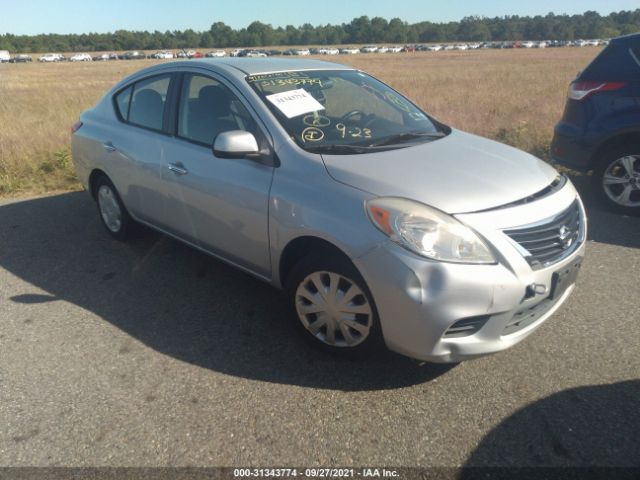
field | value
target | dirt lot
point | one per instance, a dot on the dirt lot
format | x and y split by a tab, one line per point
149	353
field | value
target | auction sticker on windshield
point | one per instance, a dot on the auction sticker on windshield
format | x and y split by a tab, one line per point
295	102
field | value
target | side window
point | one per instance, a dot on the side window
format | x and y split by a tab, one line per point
148	101
635	54
208	108
122	102
615	62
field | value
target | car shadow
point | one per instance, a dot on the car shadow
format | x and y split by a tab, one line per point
605	226
175	299
593	426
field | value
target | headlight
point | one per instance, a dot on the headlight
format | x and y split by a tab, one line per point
427	231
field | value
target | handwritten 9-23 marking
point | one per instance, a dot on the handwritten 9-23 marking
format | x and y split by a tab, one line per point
353	132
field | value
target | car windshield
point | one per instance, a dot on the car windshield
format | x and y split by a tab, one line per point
343	111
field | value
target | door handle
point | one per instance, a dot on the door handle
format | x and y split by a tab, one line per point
108	146
178	168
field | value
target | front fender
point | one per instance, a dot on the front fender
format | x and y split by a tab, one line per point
317	206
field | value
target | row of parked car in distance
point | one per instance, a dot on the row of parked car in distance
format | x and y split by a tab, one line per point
5	57
85	57
498	45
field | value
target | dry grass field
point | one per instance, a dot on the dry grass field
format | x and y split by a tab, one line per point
514	96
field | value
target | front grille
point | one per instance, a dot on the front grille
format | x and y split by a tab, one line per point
547	242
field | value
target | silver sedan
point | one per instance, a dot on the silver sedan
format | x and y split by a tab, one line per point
382	225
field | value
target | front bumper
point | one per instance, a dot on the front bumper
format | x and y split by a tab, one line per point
419	300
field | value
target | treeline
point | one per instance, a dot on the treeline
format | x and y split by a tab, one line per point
359	30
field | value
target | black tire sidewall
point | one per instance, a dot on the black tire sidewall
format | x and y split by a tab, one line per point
125	218
601	167
374	343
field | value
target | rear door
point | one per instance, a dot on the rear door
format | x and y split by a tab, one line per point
136	145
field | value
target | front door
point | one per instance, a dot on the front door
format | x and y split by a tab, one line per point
218	204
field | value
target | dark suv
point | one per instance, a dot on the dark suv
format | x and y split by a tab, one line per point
600	128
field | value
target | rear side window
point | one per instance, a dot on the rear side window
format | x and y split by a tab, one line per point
615	62
123	99
143	102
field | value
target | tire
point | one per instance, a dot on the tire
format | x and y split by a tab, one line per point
112	212
616	179
350	328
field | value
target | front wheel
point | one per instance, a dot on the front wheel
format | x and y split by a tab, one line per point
616	179
332	306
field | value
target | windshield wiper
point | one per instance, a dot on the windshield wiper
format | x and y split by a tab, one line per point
343	148
406	136
376	146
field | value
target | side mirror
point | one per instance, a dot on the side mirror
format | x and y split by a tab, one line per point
236	144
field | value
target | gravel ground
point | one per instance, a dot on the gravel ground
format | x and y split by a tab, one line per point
150	353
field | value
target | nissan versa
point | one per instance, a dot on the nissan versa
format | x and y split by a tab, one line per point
382	225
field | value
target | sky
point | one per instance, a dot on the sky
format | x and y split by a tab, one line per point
29	17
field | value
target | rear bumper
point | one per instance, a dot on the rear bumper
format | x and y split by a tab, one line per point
572	149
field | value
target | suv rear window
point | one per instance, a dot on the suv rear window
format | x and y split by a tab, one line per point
635	53
615	62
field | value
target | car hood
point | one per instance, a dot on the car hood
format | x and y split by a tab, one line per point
456	174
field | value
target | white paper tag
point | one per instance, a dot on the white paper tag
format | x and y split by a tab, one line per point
295	102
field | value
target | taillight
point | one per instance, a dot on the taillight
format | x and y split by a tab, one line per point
75	127
581	90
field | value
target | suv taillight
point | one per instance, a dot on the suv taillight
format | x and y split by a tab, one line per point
581	90
75	127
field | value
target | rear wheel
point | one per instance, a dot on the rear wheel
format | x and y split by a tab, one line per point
113	214
332	306
616	179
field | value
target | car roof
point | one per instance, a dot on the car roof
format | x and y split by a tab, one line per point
236	67
252	66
